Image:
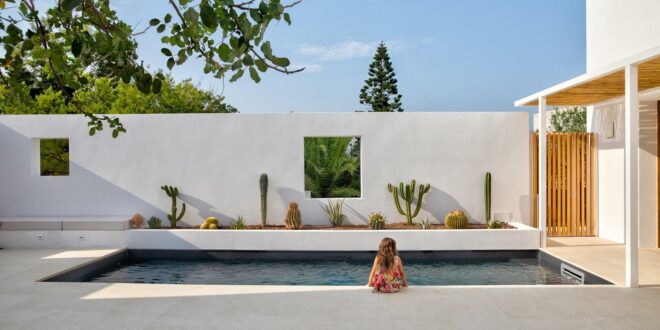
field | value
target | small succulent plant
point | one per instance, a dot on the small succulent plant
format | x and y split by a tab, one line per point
237	223
154	223
495	224
425	224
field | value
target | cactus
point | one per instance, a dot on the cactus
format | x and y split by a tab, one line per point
137	220
173	192
263	187
292	219
154	223
376	220
407	194
456	220
487	196
209	223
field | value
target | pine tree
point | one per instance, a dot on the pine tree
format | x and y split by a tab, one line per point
380	90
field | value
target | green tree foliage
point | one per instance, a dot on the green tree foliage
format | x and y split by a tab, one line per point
101	96
380	91
54	157
330	168
572	119
56	47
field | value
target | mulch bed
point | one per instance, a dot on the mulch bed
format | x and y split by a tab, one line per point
392	226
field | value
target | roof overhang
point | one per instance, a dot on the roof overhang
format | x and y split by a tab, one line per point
600	85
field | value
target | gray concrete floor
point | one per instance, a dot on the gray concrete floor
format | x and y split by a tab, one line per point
26	304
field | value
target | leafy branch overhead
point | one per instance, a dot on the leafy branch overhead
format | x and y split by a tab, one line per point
62	46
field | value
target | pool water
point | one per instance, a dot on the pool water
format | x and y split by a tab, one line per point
480	271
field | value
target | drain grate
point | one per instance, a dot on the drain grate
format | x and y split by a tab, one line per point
571	272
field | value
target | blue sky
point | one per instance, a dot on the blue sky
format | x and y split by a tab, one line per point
467	55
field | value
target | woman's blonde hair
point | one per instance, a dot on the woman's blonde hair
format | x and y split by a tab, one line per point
386	252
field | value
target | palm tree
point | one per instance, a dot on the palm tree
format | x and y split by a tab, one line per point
330	169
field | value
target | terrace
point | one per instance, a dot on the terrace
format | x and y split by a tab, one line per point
272	220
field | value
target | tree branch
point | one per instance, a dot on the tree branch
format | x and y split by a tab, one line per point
276	68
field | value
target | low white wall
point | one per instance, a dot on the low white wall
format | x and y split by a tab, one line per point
522	238
216	160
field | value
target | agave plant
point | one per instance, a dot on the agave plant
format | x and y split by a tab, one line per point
425	224
332	167
334	212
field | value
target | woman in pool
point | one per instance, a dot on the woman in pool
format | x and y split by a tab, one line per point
387	274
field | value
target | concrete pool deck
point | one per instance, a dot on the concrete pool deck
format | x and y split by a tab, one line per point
605	258
27	304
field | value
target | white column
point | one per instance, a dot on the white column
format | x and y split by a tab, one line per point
632	177
543	171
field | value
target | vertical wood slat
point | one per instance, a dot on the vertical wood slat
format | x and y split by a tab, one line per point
535	168
550	185
588	187
570	182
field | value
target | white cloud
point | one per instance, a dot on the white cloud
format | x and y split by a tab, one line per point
351	49
340	51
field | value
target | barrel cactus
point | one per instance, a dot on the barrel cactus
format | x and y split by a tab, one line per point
209	223
456	220
376	220
293	218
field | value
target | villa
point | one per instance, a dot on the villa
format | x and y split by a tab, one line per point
211	221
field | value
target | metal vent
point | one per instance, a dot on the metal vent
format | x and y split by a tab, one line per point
573	273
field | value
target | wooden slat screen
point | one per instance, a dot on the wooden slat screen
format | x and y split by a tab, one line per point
570	183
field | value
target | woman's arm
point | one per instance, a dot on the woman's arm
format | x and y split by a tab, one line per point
403	274
373	272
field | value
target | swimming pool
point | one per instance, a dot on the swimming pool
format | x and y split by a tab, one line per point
318	268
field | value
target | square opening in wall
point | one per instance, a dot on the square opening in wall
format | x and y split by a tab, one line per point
332	167
54	157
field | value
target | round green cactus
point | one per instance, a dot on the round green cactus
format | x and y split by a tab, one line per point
456	220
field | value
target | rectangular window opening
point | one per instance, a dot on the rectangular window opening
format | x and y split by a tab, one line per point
53	157
333	167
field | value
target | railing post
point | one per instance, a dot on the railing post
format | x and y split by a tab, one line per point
543	168
632	176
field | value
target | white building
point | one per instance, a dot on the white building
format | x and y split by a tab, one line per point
621	91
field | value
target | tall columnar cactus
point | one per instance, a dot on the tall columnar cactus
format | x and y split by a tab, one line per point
173	192
407	194
292	219
487	196
263	187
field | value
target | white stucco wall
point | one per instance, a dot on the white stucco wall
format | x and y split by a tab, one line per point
607	121
617	29
216	160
